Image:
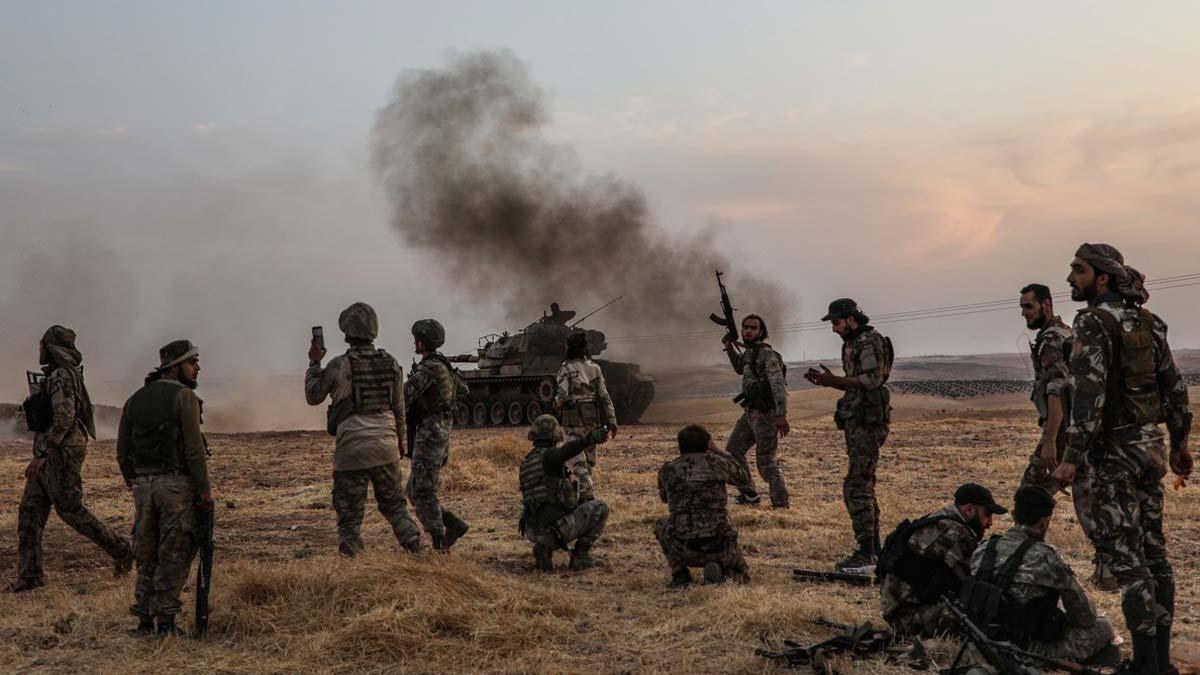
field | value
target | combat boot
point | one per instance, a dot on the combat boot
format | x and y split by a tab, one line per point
439	541
580	560
455	528
1145	657
166	626
713	573
1162	644
24	585
861	561
543	557
748	498
144	628
680	578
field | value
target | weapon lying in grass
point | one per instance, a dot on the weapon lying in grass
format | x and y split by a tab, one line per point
843	577
857	640
1005	657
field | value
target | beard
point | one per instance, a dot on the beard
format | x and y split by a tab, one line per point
1086	293
186	381
976	525
1036	324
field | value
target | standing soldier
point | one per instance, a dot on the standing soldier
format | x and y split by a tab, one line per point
863	413
53	477
698	532
431	391
1051	396
583	401
553	516
764	405
1126	382
366	415
164	459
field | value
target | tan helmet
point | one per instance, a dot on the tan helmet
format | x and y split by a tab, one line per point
545	428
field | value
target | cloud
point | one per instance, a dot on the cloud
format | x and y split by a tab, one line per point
202	128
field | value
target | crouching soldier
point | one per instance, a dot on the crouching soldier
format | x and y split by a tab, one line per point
698	532
1025	593
553	517
925	559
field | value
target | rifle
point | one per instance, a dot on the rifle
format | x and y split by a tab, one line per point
727	320
204	532
1004	656
844	577
857	640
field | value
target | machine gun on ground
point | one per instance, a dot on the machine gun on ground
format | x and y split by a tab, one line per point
842	577
1005	657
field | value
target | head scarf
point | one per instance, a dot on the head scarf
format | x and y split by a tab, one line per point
1130	283
59	342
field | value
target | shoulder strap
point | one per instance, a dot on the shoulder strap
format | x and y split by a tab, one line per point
1006	574
988	565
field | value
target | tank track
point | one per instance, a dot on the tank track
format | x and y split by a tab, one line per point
635	405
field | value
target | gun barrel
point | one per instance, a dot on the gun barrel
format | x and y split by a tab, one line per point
463	358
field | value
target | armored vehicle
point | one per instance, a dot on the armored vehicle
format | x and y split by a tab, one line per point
515	379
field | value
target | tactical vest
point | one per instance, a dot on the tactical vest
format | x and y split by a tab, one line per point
987	598
372	383
439	398
930	579
540	490
759	396
156	439
1132	396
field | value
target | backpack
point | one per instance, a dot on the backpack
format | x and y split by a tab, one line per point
39	412
930	579
987	600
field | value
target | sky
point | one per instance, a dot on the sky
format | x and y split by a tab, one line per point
203	170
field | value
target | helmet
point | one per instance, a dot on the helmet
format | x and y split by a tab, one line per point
359	321
545	428
430	332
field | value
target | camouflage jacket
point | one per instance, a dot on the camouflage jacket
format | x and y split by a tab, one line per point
363	440
693	486
949	540
1041	573
762	364
67	428
1051	371
581	382
864	356
1090	360
429	391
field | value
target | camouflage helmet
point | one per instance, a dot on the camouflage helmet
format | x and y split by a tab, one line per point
545	429
430	332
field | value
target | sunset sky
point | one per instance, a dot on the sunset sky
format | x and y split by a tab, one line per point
203	170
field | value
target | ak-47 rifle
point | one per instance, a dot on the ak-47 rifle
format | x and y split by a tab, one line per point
1004	656
844	577
856	640
726	320
204	532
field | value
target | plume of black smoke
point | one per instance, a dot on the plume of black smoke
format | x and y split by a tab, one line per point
510	219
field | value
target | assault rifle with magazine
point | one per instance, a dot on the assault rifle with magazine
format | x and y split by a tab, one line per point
1005	657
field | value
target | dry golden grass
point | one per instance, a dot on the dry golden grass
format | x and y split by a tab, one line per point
284	602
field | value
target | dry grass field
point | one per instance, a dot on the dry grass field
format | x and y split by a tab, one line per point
285	602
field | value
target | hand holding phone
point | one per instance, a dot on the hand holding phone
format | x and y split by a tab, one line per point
316	350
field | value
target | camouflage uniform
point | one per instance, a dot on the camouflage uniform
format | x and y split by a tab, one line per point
366	450
1041	573
163	456
1127	462
761	368
553	516
698	530
950	541
430	391
864	415
583	398
59	483
1052	377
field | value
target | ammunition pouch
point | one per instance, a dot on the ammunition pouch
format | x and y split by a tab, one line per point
1132	396
842	413
39	412
758	397
580	414
874	407
337	413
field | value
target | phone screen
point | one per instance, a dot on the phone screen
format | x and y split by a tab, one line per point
319	336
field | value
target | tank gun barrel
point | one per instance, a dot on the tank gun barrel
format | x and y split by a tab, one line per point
463	358
594	311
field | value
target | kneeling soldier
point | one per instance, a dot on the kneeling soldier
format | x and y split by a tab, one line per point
553	516
698	532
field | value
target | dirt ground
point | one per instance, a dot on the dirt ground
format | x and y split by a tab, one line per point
285	602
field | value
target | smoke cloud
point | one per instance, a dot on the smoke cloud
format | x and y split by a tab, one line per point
508	217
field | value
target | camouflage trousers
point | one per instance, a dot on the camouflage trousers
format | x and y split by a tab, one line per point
59	485
758	429
1078	643
858	488
430	452
164	542
584	464
1127	499
684	553
582	526
1081	490
923	620
350	505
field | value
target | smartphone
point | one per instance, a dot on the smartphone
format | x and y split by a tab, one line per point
319	336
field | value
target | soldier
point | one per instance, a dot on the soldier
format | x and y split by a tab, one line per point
1051	397
53	477
583	403
764	411
164	459
553	516
928	558
698	532
431	391
366	415
1034	580
863	413
1125	383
